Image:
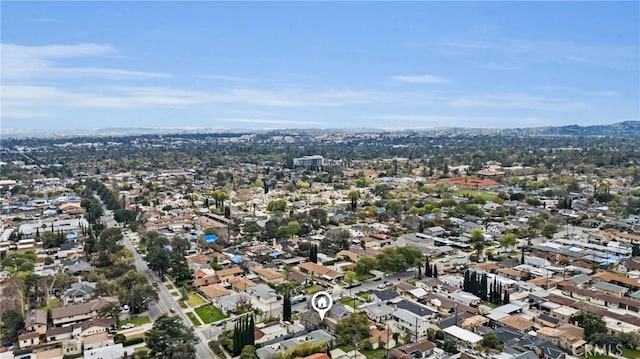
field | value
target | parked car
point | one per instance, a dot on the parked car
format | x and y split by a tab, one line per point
381	286
127	326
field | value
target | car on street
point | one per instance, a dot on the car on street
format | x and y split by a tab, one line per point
172	310
127	326
381	286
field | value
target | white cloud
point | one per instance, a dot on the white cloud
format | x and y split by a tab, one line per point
32	62
516	101
419	79
267	121
540	51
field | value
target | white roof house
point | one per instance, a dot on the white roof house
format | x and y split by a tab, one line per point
462	335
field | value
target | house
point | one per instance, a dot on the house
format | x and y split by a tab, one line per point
418	350
79	292
381	338
410	322
213	291
270	332
267	275
315	356
297	276
28	340
518	323
53	353
264	293
97	340
383	295
79	312
241	284
378	312
228	303
566	336
116	351
225	275
36	322
320	271
462	336
436	231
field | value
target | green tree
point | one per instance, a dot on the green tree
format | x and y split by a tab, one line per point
278	205
350	277
490	341
111	310
394	207
248	352
450	346
366	265
286	307
549	230
169	334
12	324
136	291
352	329
412	255
391	261
508	240
592	324
353	196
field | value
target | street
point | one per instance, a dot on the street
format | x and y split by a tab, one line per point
165	299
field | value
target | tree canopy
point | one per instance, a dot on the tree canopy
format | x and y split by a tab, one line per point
169	338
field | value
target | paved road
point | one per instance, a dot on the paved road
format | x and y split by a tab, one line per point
165	299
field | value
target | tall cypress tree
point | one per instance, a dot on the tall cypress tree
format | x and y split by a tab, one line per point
251	330
465	284
483	287
435	271
286	308
427	267
506	299
236	339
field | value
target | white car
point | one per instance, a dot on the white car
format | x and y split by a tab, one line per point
445	260
127	326
381	286
462	255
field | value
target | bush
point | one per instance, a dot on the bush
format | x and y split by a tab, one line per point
217	349
133	341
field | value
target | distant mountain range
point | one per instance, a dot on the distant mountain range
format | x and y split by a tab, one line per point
626	129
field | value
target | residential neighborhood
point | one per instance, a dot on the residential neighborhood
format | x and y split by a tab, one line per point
423	259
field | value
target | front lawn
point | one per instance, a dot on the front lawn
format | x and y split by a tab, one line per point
364	277
314	289
139	320
195	300
631	353
350	302
193	318
380	353
209	314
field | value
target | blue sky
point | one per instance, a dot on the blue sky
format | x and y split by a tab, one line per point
91	65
